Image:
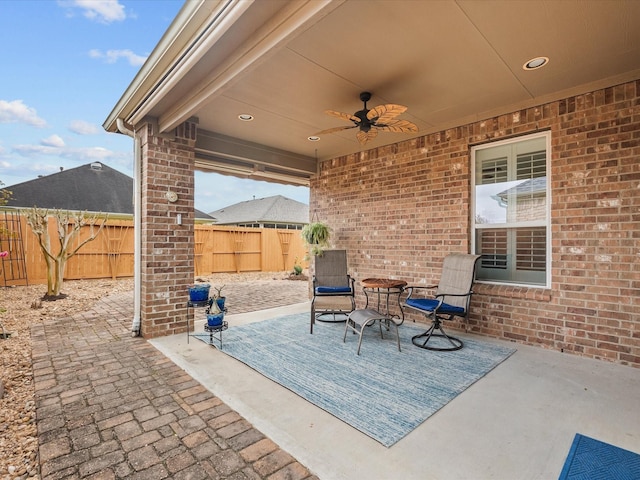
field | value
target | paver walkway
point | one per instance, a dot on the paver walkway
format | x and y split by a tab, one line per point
110	405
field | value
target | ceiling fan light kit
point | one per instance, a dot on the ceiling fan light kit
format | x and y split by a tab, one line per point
370	121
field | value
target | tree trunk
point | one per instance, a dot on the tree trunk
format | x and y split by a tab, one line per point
50	276
60	264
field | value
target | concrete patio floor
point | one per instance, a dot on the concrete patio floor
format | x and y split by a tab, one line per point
518	422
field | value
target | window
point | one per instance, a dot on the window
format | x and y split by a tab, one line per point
511	210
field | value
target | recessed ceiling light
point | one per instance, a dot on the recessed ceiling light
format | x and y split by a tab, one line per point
313	138
245	117
535	63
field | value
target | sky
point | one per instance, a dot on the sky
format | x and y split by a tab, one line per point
65	64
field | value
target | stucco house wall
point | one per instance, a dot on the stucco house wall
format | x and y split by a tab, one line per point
399	209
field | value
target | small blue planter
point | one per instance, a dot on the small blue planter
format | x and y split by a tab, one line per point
199	293
220	302
215	320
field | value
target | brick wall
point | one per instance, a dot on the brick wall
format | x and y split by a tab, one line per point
400	209
167	247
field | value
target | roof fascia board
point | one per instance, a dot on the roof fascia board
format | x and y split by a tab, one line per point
191	20
274	34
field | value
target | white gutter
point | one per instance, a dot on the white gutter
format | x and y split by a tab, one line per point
137	225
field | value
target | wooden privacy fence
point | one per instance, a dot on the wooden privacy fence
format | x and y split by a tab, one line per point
217	249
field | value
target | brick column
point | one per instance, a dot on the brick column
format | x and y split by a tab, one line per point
167	257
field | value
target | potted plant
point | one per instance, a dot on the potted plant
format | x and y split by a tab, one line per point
316	235
297	268
215	310
220	300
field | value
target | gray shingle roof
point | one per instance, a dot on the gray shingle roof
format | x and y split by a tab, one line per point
277	209
94	187
528	187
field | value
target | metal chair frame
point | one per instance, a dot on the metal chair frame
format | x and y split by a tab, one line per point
333	288
453	295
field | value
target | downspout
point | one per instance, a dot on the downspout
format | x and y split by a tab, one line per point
137	225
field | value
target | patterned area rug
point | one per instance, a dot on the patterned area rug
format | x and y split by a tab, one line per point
591	459
383	393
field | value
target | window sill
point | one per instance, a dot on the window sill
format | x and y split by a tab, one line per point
511	291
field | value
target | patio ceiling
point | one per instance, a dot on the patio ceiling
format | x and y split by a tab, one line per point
285	62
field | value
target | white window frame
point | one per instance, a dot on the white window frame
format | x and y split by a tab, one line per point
509	226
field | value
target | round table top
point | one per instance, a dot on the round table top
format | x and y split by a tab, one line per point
383	283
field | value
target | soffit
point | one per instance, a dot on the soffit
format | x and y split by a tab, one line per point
450	62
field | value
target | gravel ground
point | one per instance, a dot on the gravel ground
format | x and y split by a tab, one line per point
24	308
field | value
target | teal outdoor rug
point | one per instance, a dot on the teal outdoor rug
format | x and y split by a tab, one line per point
590	459
383	393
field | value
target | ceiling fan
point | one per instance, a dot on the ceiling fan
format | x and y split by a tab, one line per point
370	122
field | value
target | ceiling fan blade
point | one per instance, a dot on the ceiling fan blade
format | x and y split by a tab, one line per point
385	113
364	137
344	116
398	126
334	129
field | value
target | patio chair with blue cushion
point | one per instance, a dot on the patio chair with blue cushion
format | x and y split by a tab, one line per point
333	288
451	299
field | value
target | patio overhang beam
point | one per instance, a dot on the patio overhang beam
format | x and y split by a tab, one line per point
233	156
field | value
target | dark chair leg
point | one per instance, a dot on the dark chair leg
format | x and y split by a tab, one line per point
313	319
456	343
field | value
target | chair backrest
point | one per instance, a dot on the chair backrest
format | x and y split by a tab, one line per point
331	269
458	272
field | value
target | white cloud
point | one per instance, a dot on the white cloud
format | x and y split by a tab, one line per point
112	56
54	146
34	150
53	141
16	111
83	128
93	153
103	11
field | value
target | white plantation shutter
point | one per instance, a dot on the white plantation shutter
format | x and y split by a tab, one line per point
494	249
531	249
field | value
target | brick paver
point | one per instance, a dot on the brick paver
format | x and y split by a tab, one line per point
111	406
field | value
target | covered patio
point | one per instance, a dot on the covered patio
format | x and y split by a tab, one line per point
242	88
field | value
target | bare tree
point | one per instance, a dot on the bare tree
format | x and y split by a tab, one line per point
68	226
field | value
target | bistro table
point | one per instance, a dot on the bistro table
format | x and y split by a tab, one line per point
384	288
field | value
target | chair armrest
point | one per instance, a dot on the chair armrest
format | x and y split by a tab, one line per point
454	294
411	289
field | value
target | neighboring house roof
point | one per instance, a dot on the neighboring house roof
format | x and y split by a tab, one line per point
276	209
528	187
94	187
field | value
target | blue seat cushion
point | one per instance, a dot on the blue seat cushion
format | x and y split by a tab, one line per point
333	290
429	304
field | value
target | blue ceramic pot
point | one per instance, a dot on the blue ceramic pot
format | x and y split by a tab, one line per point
220	302
215	320
199	293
